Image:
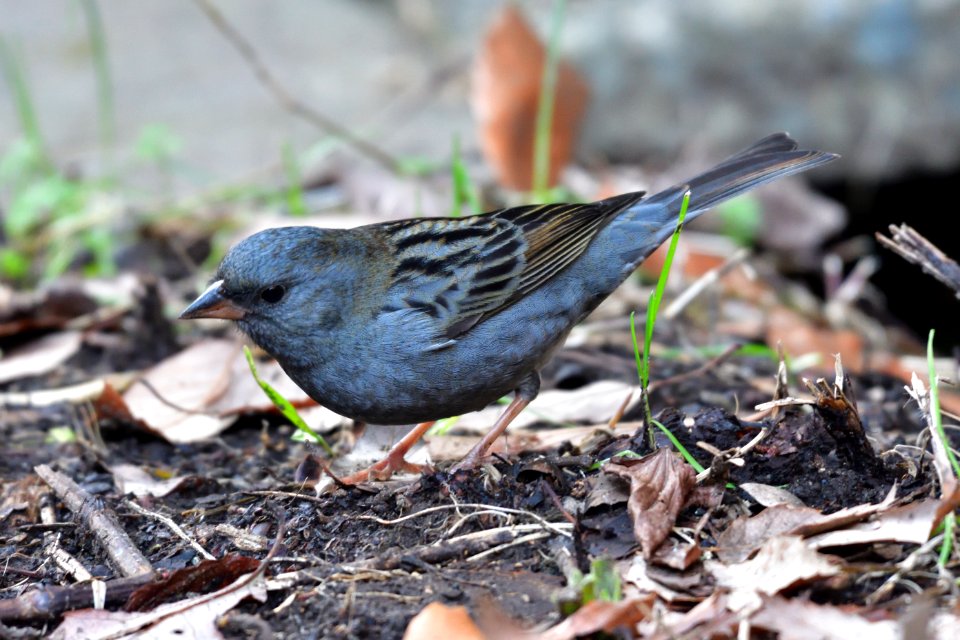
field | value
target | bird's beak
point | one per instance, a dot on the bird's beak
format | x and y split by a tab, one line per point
213	304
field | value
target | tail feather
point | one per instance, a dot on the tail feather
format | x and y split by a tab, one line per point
772	157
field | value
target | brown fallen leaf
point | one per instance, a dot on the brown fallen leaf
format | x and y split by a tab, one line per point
782	562
505	94
746	534
191	619
798	334
437	620
39	356
205	577
600	615
182	390
198	392
797	619
659	486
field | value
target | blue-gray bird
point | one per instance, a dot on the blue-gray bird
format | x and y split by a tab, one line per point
426	318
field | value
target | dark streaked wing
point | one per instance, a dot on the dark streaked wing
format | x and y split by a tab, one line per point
470	268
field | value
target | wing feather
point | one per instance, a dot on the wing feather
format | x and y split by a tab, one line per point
467	269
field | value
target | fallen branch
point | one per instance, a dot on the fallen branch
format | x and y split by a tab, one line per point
100	521
48	603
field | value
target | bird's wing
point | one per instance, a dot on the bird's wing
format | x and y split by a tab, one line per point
459	271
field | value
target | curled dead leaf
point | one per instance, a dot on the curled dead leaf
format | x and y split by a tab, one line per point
659	486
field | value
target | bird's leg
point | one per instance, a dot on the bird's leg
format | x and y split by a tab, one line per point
394	460
524	394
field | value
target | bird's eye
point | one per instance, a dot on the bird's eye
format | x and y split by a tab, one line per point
273	294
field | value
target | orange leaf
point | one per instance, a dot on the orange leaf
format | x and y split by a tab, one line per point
438	620
506	91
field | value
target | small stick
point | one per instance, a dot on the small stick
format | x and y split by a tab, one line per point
51	544
704	281
285	98
699	371
436	553
173	526
914	248
48	603
100	521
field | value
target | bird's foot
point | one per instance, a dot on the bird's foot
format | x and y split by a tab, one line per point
384	469
394	461
469	462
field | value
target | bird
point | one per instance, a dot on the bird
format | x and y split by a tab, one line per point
415	320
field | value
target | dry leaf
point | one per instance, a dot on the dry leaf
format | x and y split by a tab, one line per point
189	383
798	334
197	393
40	356
590	404
768	495
505	94
659	486
193	619
130	478
911	523
780	563
802	620
439	621
600	615
746	534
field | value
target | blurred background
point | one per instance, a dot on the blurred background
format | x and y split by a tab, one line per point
120	120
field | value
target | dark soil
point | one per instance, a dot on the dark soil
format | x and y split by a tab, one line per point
366	578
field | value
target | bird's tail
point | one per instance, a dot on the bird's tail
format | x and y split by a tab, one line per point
773	157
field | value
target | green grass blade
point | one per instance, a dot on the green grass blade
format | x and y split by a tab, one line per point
548	92
684	453
22	100
949	531
935	406
296	205
281	403
101	66
463	189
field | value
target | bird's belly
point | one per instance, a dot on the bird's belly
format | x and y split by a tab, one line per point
404	383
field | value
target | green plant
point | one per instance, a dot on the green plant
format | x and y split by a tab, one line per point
101	67
653	306
51	218
463	189
158	145
296	205
740	219
950	521
284	406
602	583
544	123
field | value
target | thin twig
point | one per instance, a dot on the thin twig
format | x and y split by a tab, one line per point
713	363
704	281
173	526
464	505
286	99
530	537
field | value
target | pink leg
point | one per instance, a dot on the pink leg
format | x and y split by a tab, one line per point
394	460
479	451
